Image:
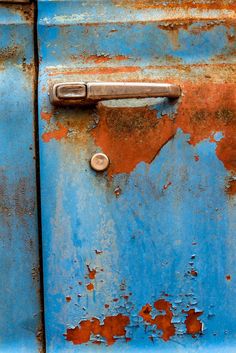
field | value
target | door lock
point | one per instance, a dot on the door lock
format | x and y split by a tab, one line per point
99	162
82	93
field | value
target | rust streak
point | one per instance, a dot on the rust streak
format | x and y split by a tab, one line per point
170	4
99	70
97	59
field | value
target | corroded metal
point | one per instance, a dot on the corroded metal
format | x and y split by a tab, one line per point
20	309
81	93
141	257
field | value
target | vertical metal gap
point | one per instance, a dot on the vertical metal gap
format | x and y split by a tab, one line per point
37	165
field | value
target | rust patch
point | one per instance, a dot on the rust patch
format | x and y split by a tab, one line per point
202	118
35	273
57	134
162	322
131	135
228	278
112	327
12	53
91	272
23	204
145	313
46	116
193	324
193	273
204	25
135	134
184	4
25	11
90	286
68	299
231	187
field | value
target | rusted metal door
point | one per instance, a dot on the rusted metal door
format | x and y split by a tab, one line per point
20	316
142	255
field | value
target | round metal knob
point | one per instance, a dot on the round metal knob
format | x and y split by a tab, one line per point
99	162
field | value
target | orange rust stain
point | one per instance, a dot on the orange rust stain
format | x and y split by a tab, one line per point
68	299
228	277
134	134
97	59
231	187
193	324
201	117
145	313
131	135
121	57
90	286
56	134
46	116
106	306
80	335
184	4
92	272
194	273
112	327
162	322
99	70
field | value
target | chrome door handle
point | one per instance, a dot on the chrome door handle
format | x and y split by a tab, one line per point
82	93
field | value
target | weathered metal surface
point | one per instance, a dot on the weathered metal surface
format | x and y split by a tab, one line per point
20	324
141	256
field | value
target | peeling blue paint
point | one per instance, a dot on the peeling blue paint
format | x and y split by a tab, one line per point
169	230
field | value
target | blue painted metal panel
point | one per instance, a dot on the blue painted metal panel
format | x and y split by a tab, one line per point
141	257
20	323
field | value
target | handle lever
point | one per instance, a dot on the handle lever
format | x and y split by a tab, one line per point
81	93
